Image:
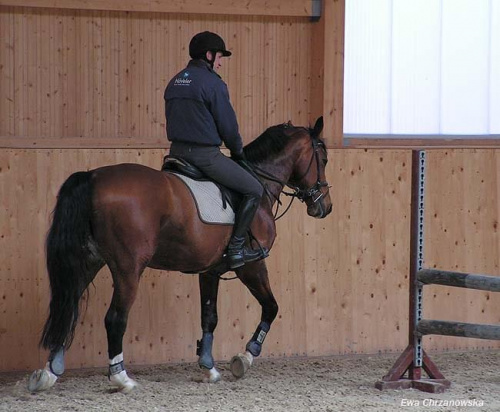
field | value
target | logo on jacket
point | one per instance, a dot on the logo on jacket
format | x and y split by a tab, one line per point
183	80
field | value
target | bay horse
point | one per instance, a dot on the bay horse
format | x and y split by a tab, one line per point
130	217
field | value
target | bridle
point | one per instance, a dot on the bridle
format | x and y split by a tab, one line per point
314	192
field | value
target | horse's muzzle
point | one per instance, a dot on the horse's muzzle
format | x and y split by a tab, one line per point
319	210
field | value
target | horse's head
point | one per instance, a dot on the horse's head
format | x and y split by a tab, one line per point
308	174
295	157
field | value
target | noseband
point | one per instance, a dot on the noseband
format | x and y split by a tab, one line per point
313	192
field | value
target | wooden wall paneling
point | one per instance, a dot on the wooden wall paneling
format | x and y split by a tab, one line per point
72	74
123	101
252	96
19	74
302	75
371	274
333	98
448	236
239	62
98	20
287	337
43	75
360	207
100	82
18	273
390	268
158	81
316	91
82	104
338	239
31	112
164	323
115	113
462	235
315	321
7	86
341	284
289	8
150	50
134	77
326	90
269	77
281	56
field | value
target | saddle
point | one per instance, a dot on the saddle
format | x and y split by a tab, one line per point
211	198
181	166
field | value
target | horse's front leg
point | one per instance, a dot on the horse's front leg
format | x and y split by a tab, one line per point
254	276
209	289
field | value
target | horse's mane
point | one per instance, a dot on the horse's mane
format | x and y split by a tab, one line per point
271	142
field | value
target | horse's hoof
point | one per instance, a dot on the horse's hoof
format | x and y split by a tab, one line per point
41	380
212	376
123	383
239	365
129	386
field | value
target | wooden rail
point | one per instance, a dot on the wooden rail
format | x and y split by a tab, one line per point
465	330
460	280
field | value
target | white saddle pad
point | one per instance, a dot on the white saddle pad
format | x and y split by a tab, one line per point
208	199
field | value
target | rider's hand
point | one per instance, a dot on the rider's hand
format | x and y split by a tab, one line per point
238	156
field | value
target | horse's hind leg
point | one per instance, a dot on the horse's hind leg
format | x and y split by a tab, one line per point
126	284
209	289
43	379
254	276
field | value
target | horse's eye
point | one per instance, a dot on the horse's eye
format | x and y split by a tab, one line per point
325	161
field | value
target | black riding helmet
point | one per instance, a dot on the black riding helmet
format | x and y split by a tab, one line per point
207	41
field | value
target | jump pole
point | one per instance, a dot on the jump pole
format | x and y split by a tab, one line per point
407	371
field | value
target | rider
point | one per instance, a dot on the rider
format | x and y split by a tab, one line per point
199	118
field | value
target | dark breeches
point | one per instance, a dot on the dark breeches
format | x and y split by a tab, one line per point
217	166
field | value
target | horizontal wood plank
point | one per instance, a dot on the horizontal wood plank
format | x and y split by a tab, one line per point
234	7
7	142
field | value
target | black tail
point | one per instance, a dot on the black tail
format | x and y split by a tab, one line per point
70	260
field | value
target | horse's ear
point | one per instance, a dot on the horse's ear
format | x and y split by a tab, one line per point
318	126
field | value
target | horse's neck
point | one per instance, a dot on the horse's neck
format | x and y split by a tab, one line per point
281	171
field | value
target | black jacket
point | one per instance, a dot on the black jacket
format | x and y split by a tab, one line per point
198	110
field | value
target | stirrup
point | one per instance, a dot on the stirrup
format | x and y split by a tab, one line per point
245	255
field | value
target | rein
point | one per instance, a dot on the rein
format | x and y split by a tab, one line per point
314	192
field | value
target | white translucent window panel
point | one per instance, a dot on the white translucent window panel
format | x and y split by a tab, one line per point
416	67
465	67
367	75
422	67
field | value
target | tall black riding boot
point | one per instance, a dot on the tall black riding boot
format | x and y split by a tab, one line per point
237	254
